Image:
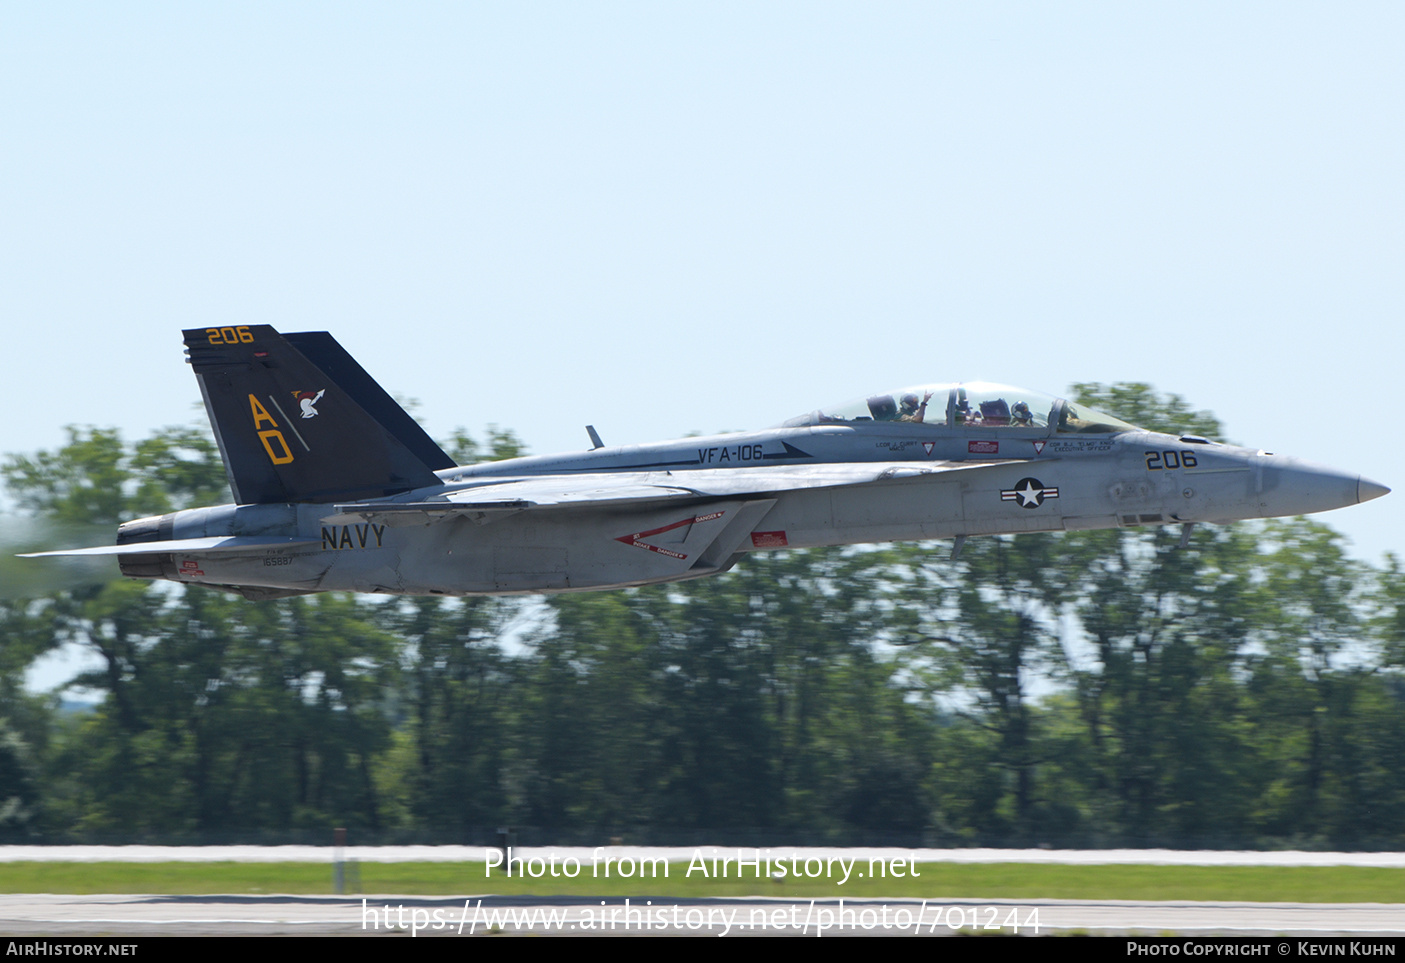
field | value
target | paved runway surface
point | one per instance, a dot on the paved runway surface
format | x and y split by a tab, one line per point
144	916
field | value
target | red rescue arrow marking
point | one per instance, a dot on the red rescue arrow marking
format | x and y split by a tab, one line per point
635	538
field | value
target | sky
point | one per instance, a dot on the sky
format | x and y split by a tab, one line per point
663	218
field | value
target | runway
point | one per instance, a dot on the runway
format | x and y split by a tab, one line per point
57	916
67	916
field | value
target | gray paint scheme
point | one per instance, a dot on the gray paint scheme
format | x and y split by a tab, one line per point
614	517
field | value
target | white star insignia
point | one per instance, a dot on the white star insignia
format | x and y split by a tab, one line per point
1029	494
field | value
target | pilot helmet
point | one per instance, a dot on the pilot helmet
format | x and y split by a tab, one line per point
882	407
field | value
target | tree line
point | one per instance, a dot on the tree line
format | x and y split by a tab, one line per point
1084	689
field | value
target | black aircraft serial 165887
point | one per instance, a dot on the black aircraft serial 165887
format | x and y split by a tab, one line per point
338	489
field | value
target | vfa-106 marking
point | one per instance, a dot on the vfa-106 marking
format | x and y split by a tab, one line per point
338	489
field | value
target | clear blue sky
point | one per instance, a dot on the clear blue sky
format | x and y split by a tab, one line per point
668	217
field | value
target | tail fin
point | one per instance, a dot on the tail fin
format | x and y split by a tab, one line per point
298	420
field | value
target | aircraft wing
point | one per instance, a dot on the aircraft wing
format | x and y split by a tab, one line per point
605	490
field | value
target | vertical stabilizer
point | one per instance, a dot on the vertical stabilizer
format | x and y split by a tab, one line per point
289	431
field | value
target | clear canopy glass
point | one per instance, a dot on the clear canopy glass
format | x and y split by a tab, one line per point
975	404
1077	419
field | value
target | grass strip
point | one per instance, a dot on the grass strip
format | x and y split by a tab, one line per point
1272	884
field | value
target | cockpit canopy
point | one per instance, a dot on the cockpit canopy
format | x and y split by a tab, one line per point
975	404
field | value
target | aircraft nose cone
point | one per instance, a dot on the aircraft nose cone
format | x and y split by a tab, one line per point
1291	486
1367	490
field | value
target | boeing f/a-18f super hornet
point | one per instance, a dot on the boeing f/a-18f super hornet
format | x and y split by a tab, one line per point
338	489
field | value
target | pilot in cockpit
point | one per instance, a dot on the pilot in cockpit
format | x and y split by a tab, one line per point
965	416
911	410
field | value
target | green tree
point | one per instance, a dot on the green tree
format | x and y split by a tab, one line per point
97	479
1139	404
1160	701
216	713
990	619
593	722
501	444
453	707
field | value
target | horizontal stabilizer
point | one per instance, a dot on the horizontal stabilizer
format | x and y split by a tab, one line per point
219	544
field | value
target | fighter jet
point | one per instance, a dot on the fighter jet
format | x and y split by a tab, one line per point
338	489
